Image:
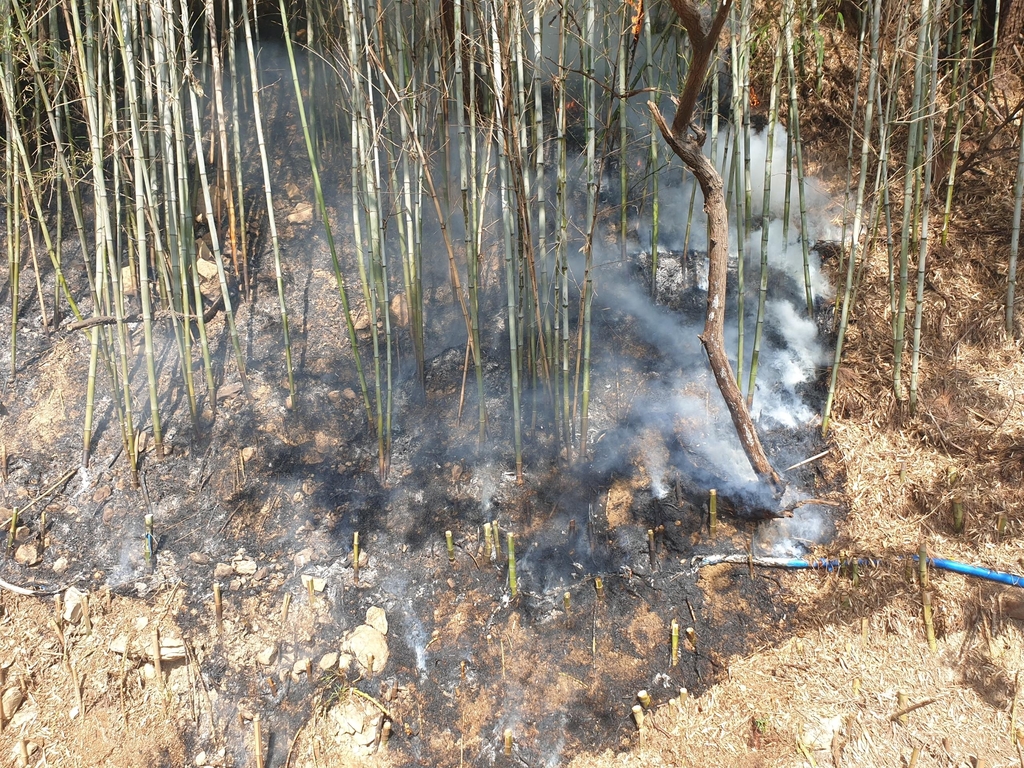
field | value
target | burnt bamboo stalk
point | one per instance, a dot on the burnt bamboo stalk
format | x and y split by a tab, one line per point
318	188
858	214
929	624
686	141
931	27
257	120
1018	201
211	218
766	204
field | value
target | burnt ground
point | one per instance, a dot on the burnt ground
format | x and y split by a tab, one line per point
268	497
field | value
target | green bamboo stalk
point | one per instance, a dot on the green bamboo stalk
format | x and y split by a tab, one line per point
562	239
962	87
910	188
241	244
500	118
318	189
848	187
257	120
794	135
466	176
182	190
126	44
766	198
211	218
1018	199
652	157
869	104
931	27
172	217
741	168
592	181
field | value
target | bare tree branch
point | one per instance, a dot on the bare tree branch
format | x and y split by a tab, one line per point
687	140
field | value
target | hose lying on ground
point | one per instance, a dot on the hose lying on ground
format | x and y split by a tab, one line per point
827	564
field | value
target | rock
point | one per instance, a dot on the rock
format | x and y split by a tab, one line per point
292	189
319	585
229	390
60	565
302	213
328	661
244	567
261	574
12	699
222	571
369	647
267	656
23	533
207	269
361	319
74	605
818	733
357	723
28	554
300	666
101	494
199	558
248	453
172	648
348	393
377	619
120	646
400	310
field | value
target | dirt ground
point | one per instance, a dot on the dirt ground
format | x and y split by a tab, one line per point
404	655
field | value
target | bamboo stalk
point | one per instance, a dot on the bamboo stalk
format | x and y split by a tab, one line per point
257	119
1018	204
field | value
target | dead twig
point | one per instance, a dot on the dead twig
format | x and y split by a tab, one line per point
910	708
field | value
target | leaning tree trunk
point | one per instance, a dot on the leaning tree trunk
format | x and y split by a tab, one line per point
687	140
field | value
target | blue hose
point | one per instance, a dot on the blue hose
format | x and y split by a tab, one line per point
976	570
831	565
